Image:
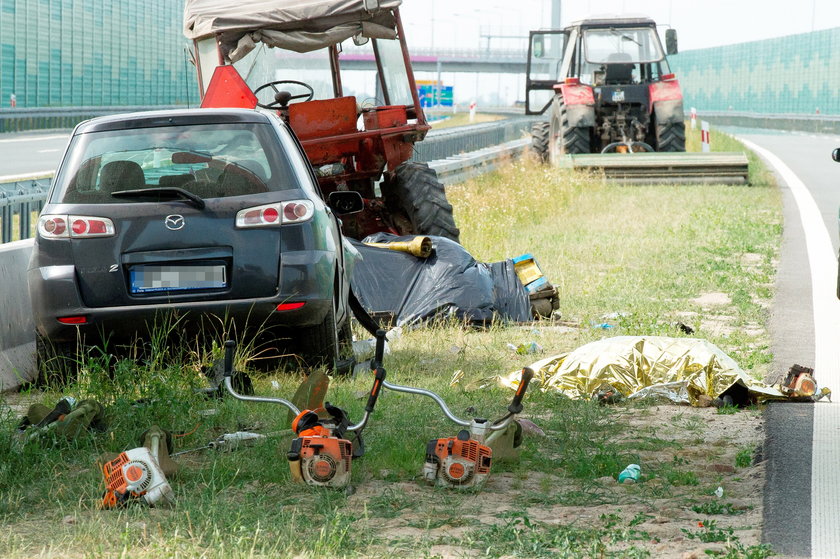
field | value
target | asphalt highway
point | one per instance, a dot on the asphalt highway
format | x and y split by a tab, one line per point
32	152
802	445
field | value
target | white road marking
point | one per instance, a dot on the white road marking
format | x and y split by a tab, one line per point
825	452
34	138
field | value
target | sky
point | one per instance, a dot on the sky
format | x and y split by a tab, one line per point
459	24
504	24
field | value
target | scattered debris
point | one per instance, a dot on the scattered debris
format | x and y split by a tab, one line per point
527	348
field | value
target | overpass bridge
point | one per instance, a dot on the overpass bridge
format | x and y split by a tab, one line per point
489	61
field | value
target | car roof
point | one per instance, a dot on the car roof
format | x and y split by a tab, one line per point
174	117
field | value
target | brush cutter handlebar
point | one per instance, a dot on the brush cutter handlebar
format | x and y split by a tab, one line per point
230	345
516	405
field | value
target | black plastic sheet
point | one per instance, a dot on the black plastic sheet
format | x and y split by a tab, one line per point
450	283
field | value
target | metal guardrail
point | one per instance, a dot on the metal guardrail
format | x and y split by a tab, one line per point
482	144
39	118
821	124
440	144
19	201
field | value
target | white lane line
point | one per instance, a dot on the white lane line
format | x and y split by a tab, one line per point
825	451
34	139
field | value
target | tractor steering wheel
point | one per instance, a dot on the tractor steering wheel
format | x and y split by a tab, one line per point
282	98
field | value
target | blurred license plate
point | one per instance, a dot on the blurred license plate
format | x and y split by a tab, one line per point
618	96
148	278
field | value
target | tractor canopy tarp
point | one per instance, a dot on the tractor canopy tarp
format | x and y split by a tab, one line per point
298	25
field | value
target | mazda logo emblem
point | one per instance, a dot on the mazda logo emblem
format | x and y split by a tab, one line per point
174	222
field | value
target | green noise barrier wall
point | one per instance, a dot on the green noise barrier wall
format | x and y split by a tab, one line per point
93	53
792	75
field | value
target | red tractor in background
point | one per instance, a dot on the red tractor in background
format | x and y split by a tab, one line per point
607	87
246	55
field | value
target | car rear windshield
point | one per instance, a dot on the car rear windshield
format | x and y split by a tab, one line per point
208	160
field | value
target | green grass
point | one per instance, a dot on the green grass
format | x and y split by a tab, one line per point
644	252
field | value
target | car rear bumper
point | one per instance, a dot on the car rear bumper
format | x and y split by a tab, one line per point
306	277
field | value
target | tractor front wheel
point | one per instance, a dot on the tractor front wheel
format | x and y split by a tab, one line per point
415	190
540	135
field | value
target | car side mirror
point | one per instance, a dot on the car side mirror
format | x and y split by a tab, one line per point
345	202
835	155
671	42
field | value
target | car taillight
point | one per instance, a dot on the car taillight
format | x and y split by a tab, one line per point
75	226
53	226
294	211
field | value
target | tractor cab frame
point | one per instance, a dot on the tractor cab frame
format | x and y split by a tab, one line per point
296	58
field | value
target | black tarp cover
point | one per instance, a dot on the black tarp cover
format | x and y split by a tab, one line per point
448	283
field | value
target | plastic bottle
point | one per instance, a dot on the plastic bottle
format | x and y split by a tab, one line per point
630	474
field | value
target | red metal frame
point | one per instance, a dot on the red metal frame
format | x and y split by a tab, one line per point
328	134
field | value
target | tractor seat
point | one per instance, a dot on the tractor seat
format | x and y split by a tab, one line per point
619	69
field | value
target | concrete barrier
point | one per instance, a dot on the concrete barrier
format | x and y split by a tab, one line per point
17	329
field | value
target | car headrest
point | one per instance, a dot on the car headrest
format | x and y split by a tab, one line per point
121	175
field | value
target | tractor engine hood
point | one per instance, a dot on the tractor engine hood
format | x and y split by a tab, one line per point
297	25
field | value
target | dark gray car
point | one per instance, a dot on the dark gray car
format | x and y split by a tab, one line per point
203	218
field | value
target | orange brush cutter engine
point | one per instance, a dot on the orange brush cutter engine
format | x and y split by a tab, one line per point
135	475
457	461
318	456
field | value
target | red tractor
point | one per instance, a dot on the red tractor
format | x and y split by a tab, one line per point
607	87
287	56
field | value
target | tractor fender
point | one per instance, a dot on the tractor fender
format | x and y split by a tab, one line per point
579	101
669	112
667	101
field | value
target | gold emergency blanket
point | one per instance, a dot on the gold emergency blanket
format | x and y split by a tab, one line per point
678	369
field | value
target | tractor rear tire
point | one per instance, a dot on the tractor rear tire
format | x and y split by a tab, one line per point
540	134
670	136
416	191
564	138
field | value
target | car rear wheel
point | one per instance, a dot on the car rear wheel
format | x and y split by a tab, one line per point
319	344
415	190
57	362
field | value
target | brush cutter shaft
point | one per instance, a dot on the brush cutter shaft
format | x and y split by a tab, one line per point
432	395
